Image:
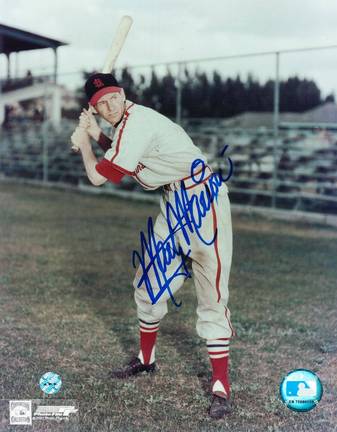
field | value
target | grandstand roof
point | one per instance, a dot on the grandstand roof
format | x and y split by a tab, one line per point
326	113
251	120
323	113
14	40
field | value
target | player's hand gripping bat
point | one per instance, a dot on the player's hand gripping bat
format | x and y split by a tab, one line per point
113	53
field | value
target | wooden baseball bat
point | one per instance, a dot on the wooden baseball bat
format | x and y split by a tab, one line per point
116	46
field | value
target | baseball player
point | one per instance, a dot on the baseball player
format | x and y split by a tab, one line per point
158	153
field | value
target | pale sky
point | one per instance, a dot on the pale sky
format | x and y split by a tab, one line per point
181	30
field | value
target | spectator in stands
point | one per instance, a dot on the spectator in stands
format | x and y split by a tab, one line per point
285	161
8	112
38	114
29	78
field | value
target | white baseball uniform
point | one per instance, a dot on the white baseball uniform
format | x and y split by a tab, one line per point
156	152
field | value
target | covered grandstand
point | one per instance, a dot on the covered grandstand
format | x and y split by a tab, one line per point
15	90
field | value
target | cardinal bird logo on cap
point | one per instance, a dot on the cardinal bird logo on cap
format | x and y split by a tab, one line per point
98	83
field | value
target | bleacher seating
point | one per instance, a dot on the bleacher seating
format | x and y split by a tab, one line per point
306	162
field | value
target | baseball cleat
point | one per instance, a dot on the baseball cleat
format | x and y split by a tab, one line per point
134	367
219	407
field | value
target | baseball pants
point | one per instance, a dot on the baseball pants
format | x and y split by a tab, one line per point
210	266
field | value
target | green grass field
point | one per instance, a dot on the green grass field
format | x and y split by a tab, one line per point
66	305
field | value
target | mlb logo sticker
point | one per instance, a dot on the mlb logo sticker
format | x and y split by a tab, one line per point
301	390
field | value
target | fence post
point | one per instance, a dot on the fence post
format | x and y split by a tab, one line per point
45	136
45	150
178	97
276	125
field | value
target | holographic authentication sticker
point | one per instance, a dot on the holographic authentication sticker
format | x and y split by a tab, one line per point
50	383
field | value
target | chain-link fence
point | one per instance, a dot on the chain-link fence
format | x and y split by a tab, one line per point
285	160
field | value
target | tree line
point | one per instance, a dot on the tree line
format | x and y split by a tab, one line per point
211	95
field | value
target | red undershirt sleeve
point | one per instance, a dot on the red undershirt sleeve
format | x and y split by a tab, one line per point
104	142
109	170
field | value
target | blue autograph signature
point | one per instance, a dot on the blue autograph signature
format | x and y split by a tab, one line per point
185	215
